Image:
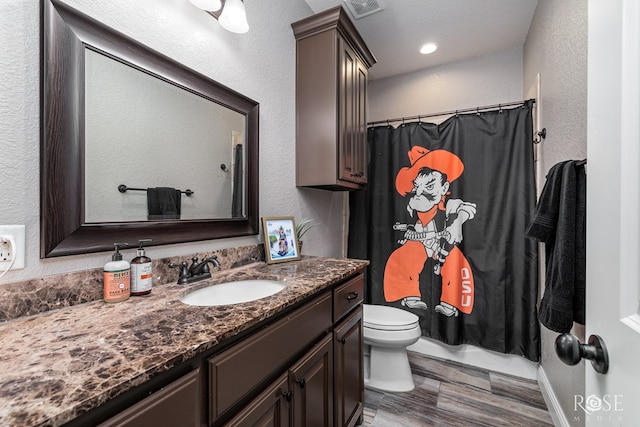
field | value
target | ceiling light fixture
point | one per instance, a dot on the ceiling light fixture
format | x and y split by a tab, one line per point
208	5
233	17
428	48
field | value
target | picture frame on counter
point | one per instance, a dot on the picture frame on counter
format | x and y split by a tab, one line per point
280	240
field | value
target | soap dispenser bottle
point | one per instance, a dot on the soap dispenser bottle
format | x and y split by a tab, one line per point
117	277
141	271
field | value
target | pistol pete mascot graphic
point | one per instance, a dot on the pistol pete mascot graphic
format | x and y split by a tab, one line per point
436	235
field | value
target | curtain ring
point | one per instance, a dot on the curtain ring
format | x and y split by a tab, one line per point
403	121
477	111
456	113
419	119
500	108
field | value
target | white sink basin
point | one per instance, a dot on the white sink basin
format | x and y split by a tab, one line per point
233	292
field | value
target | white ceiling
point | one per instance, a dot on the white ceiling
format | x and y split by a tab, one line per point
462	29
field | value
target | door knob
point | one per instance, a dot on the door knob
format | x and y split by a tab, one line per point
570	351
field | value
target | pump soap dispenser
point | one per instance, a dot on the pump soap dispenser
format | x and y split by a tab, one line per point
141	272
117	277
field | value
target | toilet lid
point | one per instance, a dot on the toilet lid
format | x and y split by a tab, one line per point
388	318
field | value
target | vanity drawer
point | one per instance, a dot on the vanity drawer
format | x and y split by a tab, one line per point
238	370
348	296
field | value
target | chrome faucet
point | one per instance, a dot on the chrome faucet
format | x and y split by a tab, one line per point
196	271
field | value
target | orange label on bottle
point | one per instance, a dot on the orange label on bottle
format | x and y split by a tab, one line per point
117	285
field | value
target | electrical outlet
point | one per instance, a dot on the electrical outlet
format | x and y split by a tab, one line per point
6	253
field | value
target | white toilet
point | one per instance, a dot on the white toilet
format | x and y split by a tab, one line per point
387	332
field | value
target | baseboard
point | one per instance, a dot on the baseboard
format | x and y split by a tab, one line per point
553	405
475	356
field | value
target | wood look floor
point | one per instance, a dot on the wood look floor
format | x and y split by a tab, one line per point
452	394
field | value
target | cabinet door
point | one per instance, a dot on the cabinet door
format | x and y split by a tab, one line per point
269	409
353	116
348	113
349	374
360	140
311	382
175	405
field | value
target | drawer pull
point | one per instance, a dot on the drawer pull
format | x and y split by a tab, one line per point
301	382
287	395
352	295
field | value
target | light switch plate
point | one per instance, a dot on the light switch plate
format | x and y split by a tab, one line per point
17	231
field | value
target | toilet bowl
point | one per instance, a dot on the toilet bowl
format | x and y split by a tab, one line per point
387	331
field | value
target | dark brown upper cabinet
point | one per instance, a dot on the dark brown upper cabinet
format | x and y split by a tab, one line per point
331	102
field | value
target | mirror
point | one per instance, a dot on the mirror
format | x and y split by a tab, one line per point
145	113
177	137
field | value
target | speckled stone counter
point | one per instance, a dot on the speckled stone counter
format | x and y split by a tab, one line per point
59	364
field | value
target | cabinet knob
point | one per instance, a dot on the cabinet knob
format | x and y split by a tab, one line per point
352	295
287	395
342	340
301	382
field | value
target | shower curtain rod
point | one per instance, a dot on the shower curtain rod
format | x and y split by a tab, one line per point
449	113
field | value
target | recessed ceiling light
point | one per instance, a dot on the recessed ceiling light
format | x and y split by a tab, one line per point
428	48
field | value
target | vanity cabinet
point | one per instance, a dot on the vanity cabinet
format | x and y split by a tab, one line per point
304	367
331	102
323	387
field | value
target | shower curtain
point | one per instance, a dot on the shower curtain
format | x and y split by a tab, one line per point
443	221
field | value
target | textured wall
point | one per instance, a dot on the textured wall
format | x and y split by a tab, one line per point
480	81
556	47
259	64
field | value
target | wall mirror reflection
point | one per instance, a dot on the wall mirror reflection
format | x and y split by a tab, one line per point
129	115
123	129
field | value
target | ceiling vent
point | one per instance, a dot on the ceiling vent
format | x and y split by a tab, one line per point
361	8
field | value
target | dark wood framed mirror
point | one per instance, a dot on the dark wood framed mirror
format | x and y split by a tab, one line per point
66	37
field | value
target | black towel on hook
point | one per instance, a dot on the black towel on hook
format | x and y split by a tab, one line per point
560	222
163	203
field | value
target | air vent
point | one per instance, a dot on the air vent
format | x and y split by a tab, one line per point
361	8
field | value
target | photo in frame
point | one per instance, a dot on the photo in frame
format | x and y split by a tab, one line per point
280	241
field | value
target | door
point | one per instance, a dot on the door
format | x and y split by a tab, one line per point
269	409
347	161
348	371
311	384
613	213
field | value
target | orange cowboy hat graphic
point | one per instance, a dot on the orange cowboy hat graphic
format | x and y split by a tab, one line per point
438	160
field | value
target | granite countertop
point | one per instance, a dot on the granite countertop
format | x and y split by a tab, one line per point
60	364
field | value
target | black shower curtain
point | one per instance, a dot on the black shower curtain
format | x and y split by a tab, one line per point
442	222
